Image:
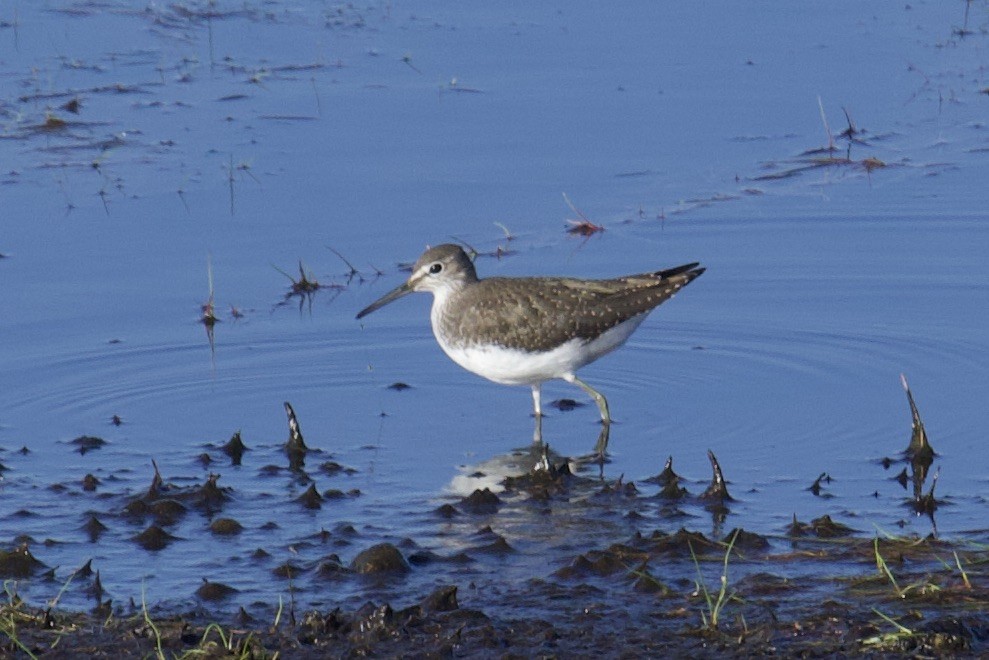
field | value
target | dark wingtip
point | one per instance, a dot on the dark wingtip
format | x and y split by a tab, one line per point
690	269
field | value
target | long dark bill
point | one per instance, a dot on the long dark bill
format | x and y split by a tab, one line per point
391	296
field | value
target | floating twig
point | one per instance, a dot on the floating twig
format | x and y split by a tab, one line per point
407	59
582	225
208	318
827	128
353	271
508	234
305	287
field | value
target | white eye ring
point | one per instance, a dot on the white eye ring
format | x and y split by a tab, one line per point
435	268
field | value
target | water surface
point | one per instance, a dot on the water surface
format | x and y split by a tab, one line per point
251	136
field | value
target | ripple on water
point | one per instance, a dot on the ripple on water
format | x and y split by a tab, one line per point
118	374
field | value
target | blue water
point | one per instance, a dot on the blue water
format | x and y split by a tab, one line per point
270	132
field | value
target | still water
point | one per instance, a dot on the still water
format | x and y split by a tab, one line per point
148	147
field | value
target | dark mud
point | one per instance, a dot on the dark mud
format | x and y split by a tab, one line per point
817	588
886	597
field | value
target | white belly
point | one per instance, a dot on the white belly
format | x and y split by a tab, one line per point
510	366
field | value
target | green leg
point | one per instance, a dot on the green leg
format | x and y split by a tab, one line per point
597	396
601	448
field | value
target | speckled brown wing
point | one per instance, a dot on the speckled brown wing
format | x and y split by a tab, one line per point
538	314
631	296
531	314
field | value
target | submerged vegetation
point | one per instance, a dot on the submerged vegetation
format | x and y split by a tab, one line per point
887	593
926	605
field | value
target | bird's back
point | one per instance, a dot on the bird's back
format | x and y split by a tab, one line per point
540	313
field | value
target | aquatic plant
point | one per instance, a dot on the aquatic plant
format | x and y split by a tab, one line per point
715	603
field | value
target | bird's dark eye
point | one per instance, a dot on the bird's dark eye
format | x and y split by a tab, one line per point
435	268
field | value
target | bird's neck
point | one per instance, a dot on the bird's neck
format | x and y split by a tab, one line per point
442	299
